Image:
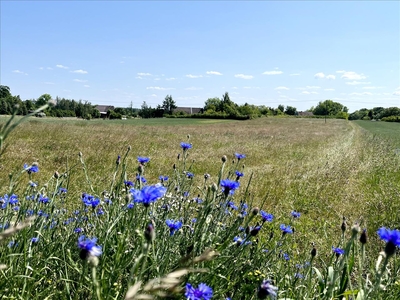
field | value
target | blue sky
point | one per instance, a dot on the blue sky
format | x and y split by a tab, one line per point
263	52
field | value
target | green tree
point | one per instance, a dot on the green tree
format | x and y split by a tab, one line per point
4	91
281	107
168	104
290	110
213	105
43	100
329	108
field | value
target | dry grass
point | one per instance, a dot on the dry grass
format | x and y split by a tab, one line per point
325	171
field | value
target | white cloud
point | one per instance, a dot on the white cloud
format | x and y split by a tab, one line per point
49	68
20	72
305	92
139	77
153	95
213	73
192	88
309	87
251	87
329	90
396	93
340	72
361	94
80	80
357	82
158	88
157	78
319	75
194	76
86	86
171	78
353	76
62	67
281	88
244	76
295	74
234	87
41	68
143	74
272	72
372	87
80	71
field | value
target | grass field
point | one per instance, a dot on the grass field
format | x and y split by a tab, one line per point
387	130
326	171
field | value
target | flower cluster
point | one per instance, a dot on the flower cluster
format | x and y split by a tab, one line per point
148	194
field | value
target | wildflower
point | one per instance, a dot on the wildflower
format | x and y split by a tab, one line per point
266	217
232	205
189	175
62	190
31	169
286	256
238	175
295	214
266	289
78	230
344	225
298	275
143	160
130	205
163	178
90	200
229	186
255	230
206	176
186	146
240	156
43	199
128	183
185	194
285	229
148	194
194	220
173	226
364	237
100	212
313	251
33	184
202	292
141	178
34	240
107	201
88	247
224	158
118	161
392	239
12	244
337	251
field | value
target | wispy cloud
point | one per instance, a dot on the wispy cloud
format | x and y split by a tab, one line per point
372	87
194	76
361	94
357	82
321	75
170	78
79	71
275	72
143	74
309	87
192	88
308	93
353	76
158	88
397	92
281	88
244	76
62	67
295	74
86	86
80	80
41	68
20	72
329	90
48	82
49	68
251	87
213	73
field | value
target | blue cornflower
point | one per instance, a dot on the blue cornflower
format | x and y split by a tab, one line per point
90	200
198	200
286	256
88	247
295	214
266	289
148	194
185	194
240	156
12	200
238	175
141	178
128	183
34	239
189	175
266	217
43	199
62	190
392	239
194	220
202	292
33	184
143	160
229	186
298	275
173	226
285	229
78	230
30	212
118	161
100	212
232	205
130	205
186	146
108	201
163	178
31	169
12	244
16	208
337	251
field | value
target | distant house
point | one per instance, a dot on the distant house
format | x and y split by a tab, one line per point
103	109
189	110
305	113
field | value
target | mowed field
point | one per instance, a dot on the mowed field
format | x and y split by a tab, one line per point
323	170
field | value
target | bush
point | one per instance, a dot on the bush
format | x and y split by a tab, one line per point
391	119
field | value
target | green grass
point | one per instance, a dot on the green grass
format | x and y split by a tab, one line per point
387	130
323	170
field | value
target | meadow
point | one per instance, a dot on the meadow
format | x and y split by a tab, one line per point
335	174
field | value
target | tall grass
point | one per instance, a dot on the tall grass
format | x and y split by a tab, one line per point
323	171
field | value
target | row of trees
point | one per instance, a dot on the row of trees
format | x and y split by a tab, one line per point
377	113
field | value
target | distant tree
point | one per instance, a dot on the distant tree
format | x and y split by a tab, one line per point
329	108
168	104
4	91
213	104
281	107
290	110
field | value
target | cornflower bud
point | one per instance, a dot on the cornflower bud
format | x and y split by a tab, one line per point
255	211
224	158
56	175
150	233
364	237
344	226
